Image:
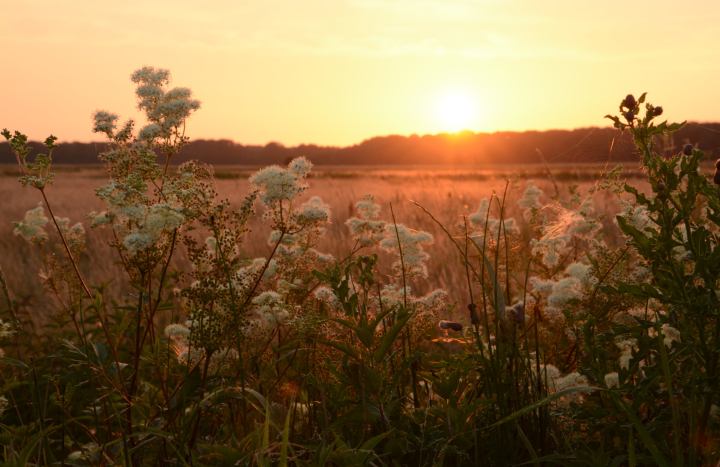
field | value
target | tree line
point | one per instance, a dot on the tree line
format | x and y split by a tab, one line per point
584	145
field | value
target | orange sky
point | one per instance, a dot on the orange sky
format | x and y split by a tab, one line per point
334	72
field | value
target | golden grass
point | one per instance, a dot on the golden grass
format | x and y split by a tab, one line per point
448	193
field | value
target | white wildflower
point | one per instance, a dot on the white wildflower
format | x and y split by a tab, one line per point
367	231
31	227
270	307
104	122
178	332
564	291
612	379
277	184
413	255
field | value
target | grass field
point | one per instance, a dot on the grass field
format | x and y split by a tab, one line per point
448	193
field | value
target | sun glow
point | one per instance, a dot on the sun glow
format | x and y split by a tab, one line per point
456	112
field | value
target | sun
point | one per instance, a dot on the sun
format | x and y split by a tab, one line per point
456	112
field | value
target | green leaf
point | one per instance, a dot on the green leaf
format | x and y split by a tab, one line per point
286	437
647	439
100	351
342	347
388	339
540	403
12	361
113	368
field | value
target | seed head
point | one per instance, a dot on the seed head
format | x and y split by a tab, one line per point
687	150
457	327
629	102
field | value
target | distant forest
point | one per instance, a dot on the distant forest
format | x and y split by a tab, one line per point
585	145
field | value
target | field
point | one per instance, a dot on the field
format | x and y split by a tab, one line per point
448	193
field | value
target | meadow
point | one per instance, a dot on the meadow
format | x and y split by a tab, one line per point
449	193
314	316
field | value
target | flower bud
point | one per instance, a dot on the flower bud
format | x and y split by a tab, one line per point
450	325
658	111
716	177
687	150
629	115
629	102
473	316
660	186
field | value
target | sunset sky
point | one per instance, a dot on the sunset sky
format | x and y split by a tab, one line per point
335	72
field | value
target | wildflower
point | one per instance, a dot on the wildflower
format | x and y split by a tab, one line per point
277	184
409	247
312	213
629	115
529	201
612	379
657	111
629	102
671	334
582	272
565	291
160	218
688	149
177	332
31	227
104	122
550	248
100	220
457	327
367	231
517	312
270	308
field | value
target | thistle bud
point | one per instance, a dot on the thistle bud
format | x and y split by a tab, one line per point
658	111
629	115
716	177
660	187
457	327
687	150
629	102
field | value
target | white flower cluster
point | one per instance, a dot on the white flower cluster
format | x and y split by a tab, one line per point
367	231
161	218
413	256
529	201
560	294
311	215
166	110
558	383
278	185
481	221
636	216
31	227
6	329
270	308
74	236
426	310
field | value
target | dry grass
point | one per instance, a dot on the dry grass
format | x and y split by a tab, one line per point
447	193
